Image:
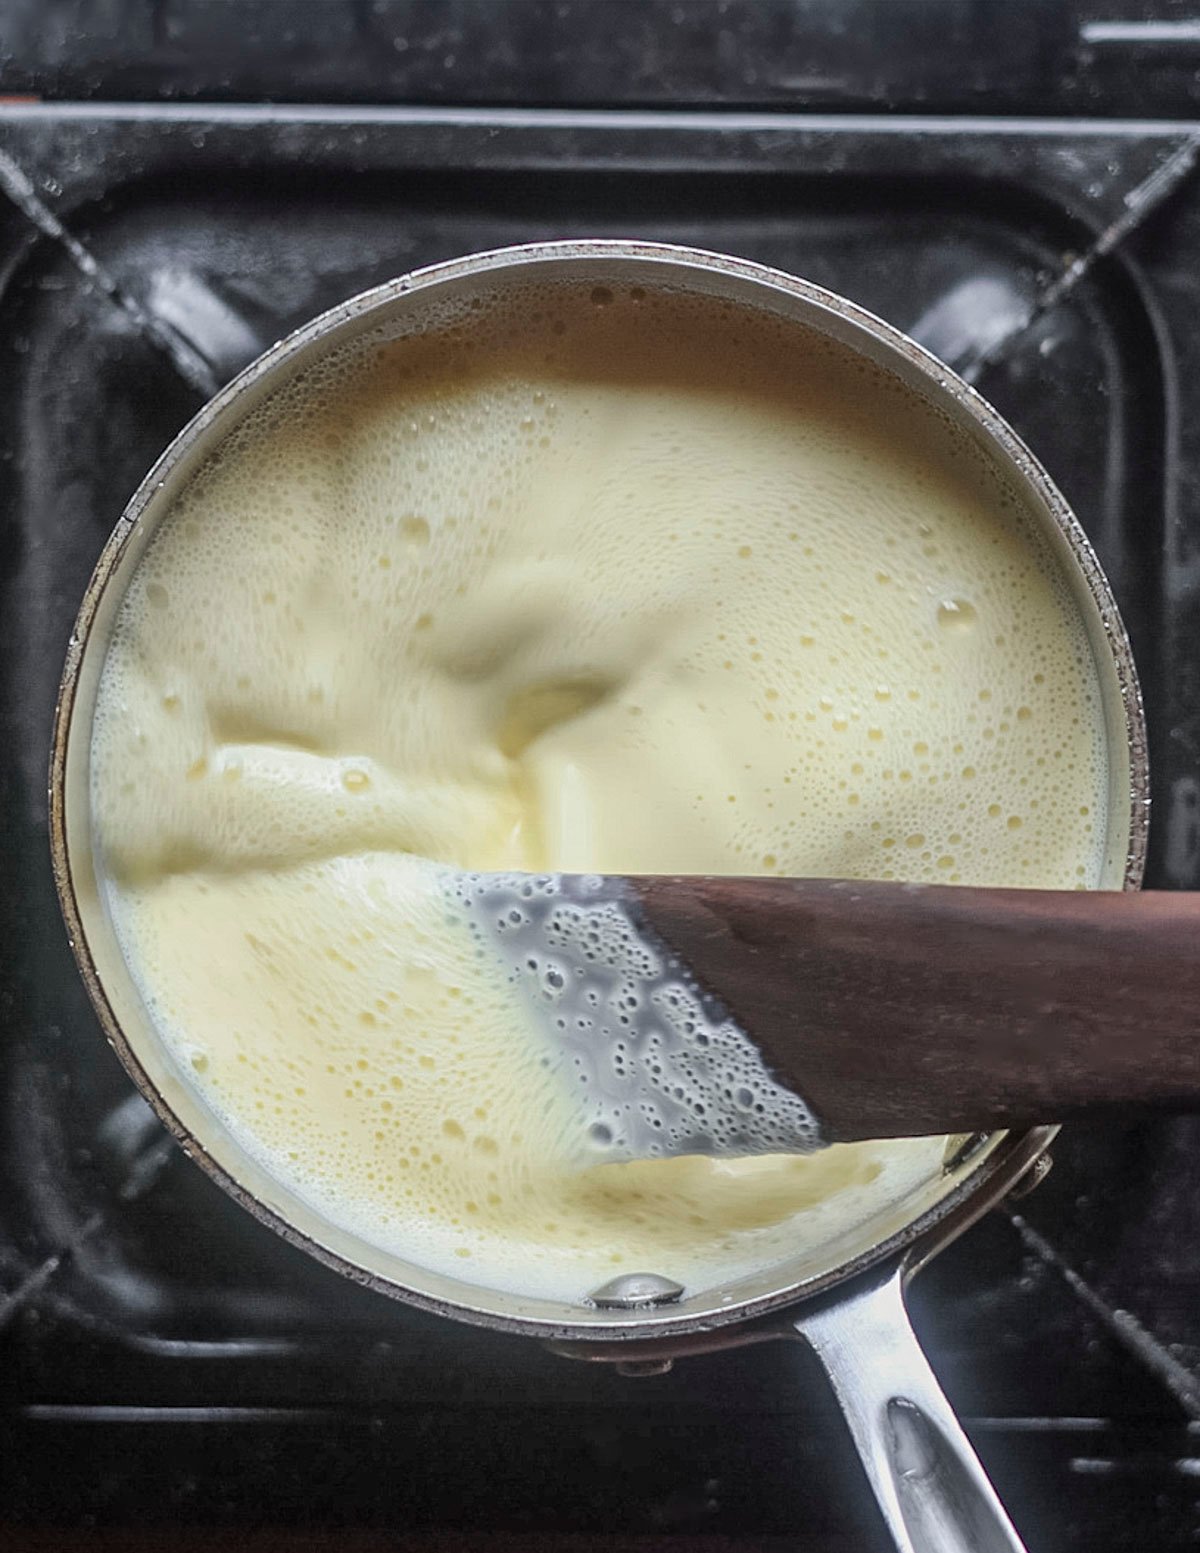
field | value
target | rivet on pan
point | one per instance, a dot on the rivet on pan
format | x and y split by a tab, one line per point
1033	1178
635	1291
636	1368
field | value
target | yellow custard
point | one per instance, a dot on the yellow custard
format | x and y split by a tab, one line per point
597	580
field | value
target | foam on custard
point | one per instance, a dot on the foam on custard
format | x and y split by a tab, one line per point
599	581
656	1065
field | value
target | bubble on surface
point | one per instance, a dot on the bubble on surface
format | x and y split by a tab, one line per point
956	615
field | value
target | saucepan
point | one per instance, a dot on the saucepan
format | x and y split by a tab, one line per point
845	1299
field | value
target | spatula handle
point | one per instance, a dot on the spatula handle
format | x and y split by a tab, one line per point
898	1009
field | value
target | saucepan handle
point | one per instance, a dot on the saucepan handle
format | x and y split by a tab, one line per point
933	1493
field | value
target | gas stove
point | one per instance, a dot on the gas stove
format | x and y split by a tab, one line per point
164	1361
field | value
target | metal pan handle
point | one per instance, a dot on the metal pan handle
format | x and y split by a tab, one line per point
933	1493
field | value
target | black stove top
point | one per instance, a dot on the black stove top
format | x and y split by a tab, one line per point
166	1362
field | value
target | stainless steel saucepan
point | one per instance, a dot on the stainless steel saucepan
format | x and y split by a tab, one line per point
845	1299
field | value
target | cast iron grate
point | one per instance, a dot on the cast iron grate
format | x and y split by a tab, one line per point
147	254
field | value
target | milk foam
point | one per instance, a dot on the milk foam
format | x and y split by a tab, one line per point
656	1067
600	581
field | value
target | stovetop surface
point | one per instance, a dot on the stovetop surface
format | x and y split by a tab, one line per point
163	1359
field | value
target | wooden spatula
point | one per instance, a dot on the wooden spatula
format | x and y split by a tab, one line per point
752	1015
